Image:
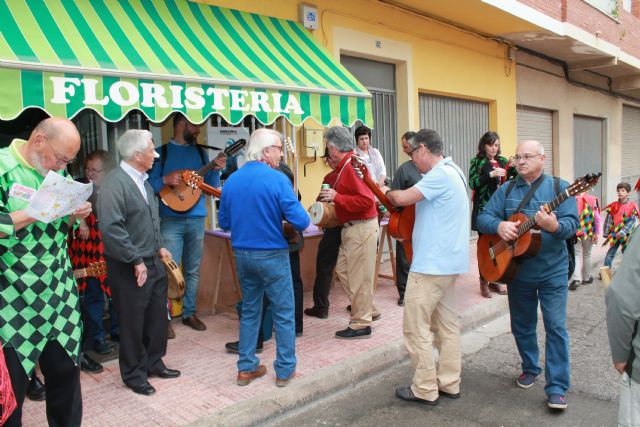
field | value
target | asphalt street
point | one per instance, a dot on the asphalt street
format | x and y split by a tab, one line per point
490	396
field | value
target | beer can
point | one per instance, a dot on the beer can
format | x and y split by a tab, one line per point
383	209
325	186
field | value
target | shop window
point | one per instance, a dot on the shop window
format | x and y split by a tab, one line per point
608	7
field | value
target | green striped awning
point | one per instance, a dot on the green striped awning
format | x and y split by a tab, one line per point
163	56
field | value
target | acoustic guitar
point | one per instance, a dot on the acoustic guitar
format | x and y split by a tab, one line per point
95	269
194	180
498	260
402	218
183	196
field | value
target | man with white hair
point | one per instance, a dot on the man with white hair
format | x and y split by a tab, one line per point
39	303
130	226
540	278
254	201
356	210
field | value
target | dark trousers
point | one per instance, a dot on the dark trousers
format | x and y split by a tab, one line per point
62	382
94	303
402	269
326	259
142	313
294	259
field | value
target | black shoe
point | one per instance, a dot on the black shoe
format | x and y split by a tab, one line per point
405	393
449	395
401	301
588	281
165	373
316	312
574	285
145	389
232	347
90	366
348	334
101	347
114	338
36	390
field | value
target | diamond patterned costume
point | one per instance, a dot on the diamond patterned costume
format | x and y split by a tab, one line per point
622	219
38	295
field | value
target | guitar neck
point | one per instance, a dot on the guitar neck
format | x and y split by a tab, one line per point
377	191
549	207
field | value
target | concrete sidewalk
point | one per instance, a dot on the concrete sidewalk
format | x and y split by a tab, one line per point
206	393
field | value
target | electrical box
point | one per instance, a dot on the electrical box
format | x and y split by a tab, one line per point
309	16
313	143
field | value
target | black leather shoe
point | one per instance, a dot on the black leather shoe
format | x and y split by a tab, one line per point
574	285
401	301
101	347
165	373
405	393
90	366
36	390
588	281
349	334
145	389
449	395
232	347
316	312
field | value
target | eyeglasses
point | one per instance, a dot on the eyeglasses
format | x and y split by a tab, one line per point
60	160
526	157
410	153
276	146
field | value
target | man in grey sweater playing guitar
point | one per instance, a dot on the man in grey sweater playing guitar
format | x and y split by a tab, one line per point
542	277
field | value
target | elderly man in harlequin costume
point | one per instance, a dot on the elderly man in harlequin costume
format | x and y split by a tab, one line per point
39	304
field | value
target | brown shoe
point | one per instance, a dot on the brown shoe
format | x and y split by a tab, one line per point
194	323
283	382
484	289
244	378
170	333
498	288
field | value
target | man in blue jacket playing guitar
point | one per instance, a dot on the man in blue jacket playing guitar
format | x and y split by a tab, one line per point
542	277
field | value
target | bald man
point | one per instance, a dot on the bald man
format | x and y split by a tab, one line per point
39	303
542	278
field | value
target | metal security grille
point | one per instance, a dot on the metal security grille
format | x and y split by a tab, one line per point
459	122
538	125
630	144
588	143
379	79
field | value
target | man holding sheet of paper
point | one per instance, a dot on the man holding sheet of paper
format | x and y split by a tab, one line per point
39	304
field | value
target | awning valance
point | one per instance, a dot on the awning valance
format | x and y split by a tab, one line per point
164	56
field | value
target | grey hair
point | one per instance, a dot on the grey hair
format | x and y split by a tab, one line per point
540	146
430	139
133	141
340	138
261	139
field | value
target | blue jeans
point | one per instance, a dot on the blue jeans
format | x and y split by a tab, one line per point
94	303
523	306
611	253
266	272
183	237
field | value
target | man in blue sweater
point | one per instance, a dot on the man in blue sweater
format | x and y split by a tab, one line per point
183	232
541	278
255	200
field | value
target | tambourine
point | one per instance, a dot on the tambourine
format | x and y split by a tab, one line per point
175	278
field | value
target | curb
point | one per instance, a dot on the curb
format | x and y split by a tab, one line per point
332	379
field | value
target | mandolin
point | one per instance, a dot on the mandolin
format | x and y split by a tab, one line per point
95	269
498	259
402	218
183	196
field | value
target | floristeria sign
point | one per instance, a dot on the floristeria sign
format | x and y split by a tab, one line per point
175	96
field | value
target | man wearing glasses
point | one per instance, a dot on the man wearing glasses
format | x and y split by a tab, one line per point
541	278
39	304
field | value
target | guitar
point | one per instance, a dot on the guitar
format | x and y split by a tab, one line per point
183	197
193	180
402	218
95	269
498	259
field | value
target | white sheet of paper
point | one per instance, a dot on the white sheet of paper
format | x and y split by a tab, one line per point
57	197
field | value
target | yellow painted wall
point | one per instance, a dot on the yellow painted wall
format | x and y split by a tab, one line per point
431	57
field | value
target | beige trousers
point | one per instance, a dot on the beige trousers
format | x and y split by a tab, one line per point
583	260
430	315
355	269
